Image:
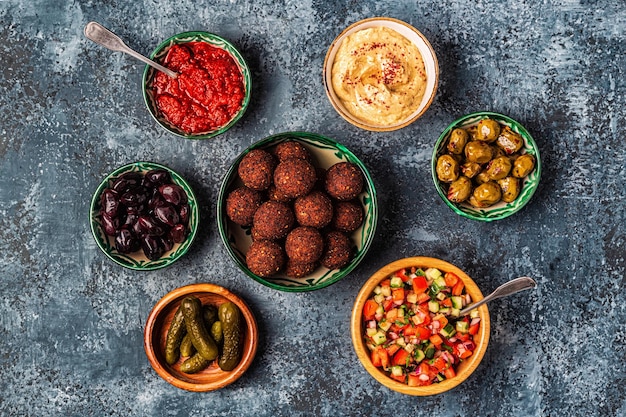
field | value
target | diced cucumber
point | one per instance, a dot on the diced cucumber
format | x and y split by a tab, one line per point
371	331
396	282
441	296
429	352
444	311
411	298
462	326
396	370
419	355
380	311
432	273
379	298
400	313
433	306
410	347
419	272
379	338
474	314
457	302
400	342
378	290
454	312
441	282
384	324
386	291
448	331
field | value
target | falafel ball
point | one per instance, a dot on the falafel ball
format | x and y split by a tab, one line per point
292	149
298	270
275	195
348	216
241	204
265	258
273	220
337	250
256	169
344	181
294	177
304	244
314	209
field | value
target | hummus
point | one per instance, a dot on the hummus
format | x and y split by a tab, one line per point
379	76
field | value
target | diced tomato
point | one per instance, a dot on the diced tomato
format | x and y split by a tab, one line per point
396	328
447	302
369	309
449	372
388	304
443	321
423	333
423	298
440	363
466	354
392	349
397	294
414	381
420	284
409	330
402	275
384	356
451	279
375	357
392	314
473	329
399	378
400	358
436	340
385	283
458	288
463	337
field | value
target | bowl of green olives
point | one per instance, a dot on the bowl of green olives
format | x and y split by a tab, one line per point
486	166
144	216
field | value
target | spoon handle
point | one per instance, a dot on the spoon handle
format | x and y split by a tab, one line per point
508	288
104	37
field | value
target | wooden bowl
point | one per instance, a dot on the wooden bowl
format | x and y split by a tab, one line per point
158	323
465	368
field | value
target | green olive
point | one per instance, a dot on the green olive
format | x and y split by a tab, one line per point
457	141
479	152
523	165
447	168
509	141
510	188
498	168
487	194
470	169
460	189
482	177
487	130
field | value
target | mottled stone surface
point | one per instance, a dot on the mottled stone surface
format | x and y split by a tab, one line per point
71	321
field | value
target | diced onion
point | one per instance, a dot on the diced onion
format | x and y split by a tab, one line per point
423	377
475	321
371	324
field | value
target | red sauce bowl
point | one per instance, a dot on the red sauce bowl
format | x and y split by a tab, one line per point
211	71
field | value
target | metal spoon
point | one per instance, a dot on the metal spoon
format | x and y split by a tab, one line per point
103	36
508	288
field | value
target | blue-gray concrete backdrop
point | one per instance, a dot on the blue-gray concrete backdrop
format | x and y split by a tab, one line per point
71	321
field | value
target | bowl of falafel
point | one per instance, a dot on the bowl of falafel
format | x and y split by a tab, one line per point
297	211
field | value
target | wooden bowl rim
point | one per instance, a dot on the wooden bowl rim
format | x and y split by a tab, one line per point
249	350
356	330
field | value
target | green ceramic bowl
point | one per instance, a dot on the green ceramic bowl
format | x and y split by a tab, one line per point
499	210
237	239
159	55
138	260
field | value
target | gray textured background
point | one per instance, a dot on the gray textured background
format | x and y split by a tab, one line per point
71	321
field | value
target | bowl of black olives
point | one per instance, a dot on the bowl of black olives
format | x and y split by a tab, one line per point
144	216
486	166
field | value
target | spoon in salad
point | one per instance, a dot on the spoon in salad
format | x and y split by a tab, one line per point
508	288
103	36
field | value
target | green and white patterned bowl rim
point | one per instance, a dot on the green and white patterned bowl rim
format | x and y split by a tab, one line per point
237	239
138	260
500	210
159	54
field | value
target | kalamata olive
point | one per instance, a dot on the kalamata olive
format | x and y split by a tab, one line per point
125	181
125	241
136	209
178	232
167	214
167	243
128	220
109	201
149	226
158	176
152	247
183	212
156	200
135	196
173	194
109	224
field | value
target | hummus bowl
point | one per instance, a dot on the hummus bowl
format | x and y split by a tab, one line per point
375	84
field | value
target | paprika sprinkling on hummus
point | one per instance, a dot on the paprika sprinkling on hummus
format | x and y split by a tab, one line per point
208	92
379	76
